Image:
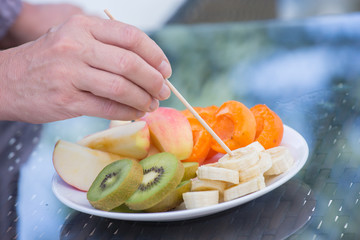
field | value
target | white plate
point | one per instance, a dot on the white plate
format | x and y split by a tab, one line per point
77	200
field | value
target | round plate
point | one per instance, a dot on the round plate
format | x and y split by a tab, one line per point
77	200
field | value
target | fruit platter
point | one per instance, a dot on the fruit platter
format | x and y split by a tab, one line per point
165	166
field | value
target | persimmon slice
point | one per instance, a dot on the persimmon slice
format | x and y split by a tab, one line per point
202	142
235	124
269	127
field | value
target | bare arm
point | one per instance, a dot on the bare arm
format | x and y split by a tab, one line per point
86	66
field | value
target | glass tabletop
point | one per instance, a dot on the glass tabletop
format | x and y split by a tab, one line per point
307	71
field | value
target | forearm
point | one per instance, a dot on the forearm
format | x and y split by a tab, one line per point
4	101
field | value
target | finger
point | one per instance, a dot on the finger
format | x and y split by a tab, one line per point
116	88
91	105
129	37
129	65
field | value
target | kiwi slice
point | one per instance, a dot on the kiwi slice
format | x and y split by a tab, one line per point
173	199
190	170
162	173
125	209
115	184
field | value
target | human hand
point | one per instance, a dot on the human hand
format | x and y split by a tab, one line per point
35	20
87	66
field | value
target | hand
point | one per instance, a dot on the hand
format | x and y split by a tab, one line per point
36	20
87	66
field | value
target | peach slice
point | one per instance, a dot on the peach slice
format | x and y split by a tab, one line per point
78	165
129	140
170	131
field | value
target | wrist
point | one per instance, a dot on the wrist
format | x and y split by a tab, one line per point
6	112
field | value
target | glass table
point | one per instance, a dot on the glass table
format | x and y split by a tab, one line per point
307	71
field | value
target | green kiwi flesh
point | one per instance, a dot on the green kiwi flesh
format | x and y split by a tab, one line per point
173	199
162	173
190	170
115	184
125	209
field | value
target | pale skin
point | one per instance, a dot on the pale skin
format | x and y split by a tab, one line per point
84	66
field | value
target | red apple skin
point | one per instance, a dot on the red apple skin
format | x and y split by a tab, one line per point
170	131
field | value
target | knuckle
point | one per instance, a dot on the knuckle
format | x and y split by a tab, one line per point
109	109
79	20
126	63
64	44
132	36
118	88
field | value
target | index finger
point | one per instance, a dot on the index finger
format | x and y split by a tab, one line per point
133	39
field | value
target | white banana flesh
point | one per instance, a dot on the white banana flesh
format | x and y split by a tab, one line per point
200	199
282	160
239	163
254	147
217	173
204	185
238	175
244	188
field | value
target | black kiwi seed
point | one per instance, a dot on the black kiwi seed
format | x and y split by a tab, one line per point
107	177
162	173
159	170
115	184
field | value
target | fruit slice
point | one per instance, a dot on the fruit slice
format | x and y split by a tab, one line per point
173	199
162	173
281	159
125	209
131	140
204	185
244	188
201	137
269	127
115	123
115	184
216	173
239	162
235	125
190	169
200	199
77	165
202	142
170	131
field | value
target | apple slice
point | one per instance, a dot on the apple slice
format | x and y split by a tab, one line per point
115	123
129	140
170	131
78	165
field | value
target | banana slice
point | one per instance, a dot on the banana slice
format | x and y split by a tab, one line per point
281	158
244	188
216	173
204	185
254	147
250	173
239	162
257	169
200	199
265	161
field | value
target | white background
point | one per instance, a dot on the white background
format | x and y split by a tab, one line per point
148	15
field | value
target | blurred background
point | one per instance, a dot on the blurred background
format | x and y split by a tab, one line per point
306	71
151	15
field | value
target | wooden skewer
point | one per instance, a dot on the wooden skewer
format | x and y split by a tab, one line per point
197	116
188	106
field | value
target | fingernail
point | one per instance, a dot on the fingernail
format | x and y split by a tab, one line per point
139	114
164	92
154	105
165	69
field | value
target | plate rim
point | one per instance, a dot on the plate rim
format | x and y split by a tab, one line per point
189	213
